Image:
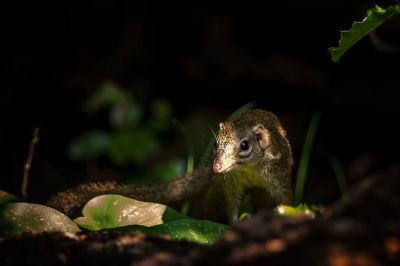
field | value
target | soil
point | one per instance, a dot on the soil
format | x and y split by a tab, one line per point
363	228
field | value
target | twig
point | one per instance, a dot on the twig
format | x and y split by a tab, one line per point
28	163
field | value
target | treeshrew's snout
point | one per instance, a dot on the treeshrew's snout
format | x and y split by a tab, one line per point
217	167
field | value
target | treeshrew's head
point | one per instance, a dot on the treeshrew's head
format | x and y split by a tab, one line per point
255	138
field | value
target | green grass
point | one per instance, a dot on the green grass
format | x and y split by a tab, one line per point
190	160
339	172
305	158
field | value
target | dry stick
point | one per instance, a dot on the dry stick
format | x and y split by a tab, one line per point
28	163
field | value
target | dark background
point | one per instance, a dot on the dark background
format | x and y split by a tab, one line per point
207	62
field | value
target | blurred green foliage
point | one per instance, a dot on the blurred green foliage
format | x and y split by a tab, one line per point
133	134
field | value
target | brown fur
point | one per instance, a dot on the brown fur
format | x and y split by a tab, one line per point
265	173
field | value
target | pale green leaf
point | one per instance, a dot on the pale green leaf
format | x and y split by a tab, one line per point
111	211
17	218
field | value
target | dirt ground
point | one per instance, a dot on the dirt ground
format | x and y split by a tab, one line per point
360	229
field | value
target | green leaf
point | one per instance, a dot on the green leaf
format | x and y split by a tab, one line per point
302	209
132	146
6	197
17	218
170	215
121	214
89	145
200	231
375	17
111	211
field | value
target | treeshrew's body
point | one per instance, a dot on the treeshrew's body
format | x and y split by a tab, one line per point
252	156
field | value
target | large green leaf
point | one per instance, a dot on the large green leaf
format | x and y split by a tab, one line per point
111	211
200	231
121	214
16	218
375	17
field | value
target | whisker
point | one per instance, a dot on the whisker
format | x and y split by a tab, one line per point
215	136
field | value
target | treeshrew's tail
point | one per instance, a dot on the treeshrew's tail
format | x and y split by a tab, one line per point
71	201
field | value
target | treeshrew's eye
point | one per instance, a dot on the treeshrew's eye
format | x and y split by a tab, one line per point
244	145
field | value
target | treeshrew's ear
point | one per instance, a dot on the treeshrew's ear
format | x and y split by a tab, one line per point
282	132
263	137
221	126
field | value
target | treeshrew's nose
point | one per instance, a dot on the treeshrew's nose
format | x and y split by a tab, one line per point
217	167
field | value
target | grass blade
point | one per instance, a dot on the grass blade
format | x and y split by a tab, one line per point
339	172
190	160
305	158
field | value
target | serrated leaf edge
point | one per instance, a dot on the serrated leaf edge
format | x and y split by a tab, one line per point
377	10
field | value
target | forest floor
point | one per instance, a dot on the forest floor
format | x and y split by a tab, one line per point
363	228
